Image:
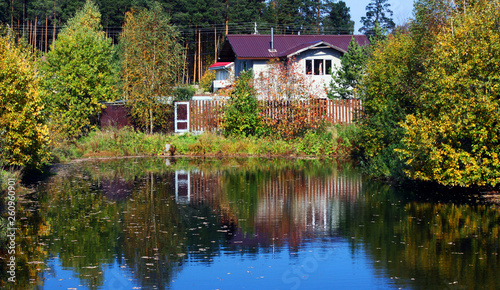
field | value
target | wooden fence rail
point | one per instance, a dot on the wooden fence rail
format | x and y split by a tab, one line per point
205	114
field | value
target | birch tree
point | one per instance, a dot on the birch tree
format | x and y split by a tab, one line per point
152	62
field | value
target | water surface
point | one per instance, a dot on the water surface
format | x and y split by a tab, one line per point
153	223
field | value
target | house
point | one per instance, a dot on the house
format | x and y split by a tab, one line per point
315	55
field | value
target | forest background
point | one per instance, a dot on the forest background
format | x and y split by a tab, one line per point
203	24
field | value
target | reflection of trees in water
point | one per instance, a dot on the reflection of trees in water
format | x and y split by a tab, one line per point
83	232
153	232
30	252
93	223
438	244
130	215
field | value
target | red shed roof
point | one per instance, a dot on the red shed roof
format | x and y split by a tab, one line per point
220	64
258	45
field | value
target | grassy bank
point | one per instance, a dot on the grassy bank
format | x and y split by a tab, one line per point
333	141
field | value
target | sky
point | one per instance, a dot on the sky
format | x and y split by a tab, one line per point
402	11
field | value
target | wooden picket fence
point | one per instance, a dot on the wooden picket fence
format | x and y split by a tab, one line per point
205	114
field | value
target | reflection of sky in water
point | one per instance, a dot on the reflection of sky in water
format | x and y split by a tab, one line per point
58	277
323	264
305	227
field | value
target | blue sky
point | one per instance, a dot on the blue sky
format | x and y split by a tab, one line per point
402	11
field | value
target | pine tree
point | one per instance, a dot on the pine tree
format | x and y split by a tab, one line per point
377	11
338	19
346	78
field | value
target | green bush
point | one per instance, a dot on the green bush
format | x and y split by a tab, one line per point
24	134
241	113
430	98
184	93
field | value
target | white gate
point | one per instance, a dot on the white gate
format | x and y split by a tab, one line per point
182	187
181	117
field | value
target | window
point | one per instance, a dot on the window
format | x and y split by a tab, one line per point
318	67
308	67
328	66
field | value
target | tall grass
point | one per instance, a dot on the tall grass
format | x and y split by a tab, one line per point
110	143
333	141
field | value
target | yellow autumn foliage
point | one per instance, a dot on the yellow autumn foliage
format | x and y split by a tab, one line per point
453	138
23	134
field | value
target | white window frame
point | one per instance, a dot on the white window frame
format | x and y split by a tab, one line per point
322	67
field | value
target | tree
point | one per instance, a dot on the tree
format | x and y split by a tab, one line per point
286	13
453	139
377	11
241	113
346	79
430	97
291	97
79	74
152	59
24	136
388	97
338	19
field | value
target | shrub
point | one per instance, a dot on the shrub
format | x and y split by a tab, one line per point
207	80
184	93
290	97
242	112
454	139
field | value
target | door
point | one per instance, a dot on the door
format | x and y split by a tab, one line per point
181	117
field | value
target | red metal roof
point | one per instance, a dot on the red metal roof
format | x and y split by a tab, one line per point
258	45
220	64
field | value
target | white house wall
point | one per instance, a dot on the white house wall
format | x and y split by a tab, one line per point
259	66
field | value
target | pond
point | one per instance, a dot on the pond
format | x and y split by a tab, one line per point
185	223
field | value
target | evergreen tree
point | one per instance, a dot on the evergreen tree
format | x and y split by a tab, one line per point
346	78
377	11
244	12
285	13
338	19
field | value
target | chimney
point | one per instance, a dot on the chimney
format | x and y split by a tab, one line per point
272	41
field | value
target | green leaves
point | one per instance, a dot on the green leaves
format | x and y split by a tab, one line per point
455	137
242	112
78	73
377	14
431	97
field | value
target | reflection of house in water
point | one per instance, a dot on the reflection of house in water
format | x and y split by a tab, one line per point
289	204
194	187
301	206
